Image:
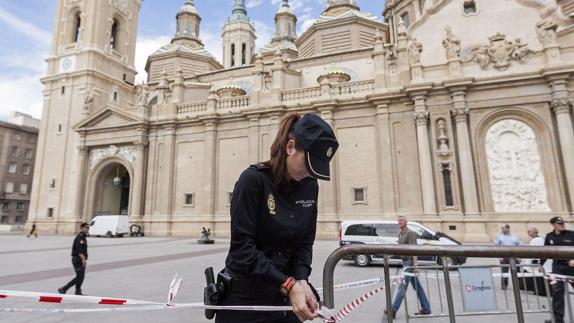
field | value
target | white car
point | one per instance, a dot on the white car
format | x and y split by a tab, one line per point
109	226
387	232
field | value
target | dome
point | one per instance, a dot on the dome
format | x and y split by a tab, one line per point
188	7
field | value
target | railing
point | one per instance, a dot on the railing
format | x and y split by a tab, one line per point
359	87
444	252
301	94
192	108
233	103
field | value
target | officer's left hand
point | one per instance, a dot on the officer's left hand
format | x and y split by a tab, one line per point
300	301
571	263
309	297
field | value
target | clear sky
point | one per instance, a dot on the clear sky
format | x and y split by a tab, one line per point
26	28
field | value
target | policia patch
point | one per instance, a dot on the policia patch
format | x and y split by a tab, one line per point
271	204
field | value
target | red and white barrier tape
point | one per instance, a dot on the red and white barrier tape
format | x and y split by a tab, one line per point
137	305
59	298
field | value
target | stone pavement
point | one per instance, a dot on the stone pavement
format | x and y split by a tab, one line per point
142	269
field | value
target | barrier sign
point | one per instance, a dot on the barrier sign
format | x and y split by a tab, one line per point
478	292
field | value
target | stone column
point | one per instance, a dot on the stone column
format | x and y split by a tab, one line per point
468	180
562	105
328	189
83	154
169	161
562	108
254	139
387	180
138	181
209	170
425	160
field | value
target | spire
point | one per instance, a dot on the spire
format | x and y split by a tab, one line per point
188	20
239	11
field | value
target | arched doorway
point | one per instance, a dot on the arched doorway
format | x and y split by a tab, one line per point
112	191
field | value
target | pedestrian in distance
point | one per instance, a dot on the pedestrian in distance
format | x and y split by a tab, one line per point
273	225
407	236
505	238
559	236
33	231
79	260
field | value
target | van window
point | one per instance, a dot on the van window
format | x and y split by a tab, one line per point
92	223
360	230
387	230
421	233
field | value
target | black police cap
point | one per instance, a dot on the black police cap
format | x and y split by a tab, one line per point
319	142
557	220
83	225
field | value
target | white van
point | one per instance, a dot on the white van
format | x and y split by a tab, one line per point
387	232
109	226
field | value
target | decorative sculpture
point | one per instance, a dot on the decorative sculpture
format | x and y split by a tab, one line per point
499	52
451	44
205	233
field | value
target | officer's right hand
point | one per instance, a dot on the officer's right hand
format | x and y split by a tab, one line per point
84	262
298	298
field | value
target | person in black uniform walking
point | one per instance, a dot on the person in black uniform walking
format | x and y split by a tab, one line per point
273	224
79	260
559	237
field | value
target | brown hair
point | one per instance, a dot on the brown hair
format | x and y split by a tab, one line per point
278	160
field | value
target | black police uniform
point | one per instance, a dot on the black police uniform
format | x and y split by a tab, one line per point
560	267
272	235
80	246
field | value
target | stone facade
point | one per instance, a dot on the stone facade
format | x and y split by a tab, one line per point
18	140
444	113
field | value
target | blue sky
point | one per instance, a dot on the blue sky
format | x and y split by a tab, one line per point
26	33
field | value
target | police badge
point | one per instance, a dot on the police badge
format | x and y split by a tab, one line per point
271	204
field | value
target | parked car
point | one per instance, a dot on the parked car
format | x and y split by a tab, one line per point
387	232
109	226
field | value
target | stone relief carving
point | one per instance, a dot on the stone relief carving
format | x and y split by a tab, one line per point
548	9
546	32
128	154
451	44
415	50
499	52
516	180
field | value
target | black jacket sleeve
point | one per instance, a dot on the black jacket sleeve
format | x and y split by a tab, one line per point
546	243
245	258
304	250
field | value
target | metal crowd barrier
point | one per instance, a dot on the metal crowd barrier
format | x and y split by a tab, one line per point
431	280
511	252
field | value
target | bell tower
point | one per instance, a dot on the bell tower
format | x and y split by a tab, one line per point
91	66
238	37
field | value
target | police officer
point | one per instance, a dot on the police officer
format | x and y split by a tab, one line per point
79	260
559	237
273	224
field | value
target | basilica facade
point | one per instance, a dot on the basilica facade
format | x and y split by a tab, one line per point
455	113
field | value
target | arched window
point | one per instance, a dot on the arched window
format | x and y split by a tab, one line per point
469	7
243	54
114	35
77	27
232	55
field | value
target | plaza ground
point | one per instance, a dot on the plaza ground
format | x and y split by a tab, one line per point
142	269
